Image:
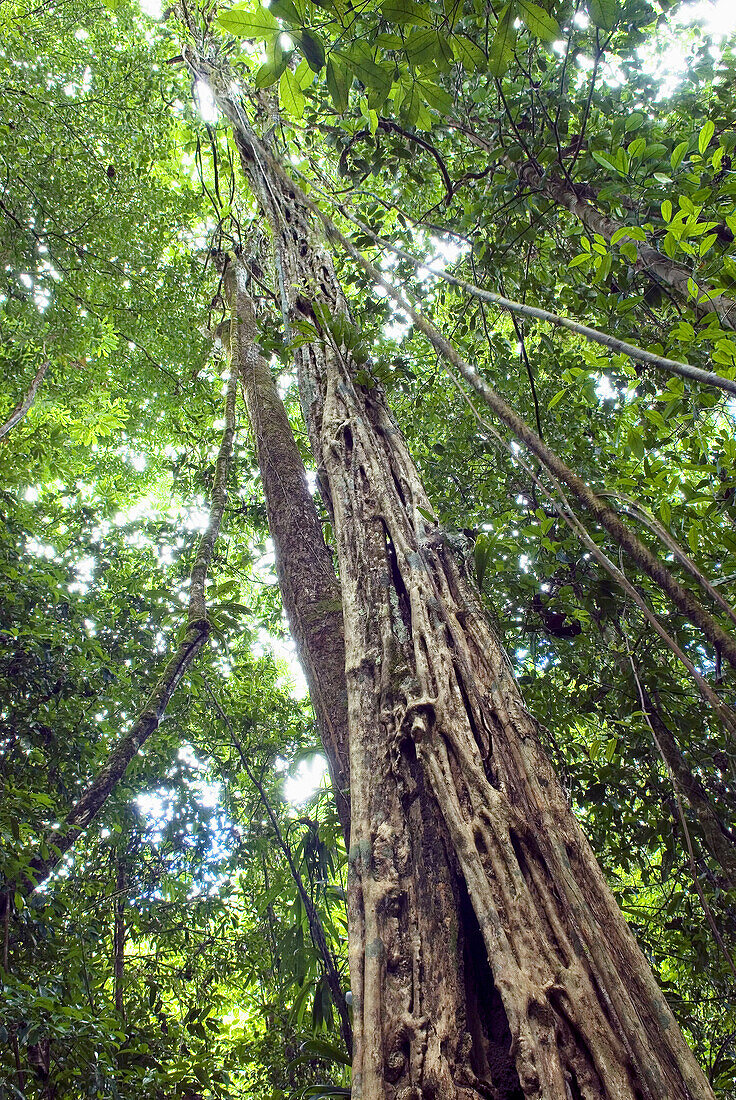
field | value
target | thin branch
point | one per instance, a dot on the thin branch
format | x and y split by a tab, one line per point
575	523
22	408
680	813
609	519
96	794
640	355
315	923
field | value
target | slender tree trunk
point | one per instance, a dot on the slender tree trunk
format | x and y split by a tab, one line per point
118	950
488	957
309	587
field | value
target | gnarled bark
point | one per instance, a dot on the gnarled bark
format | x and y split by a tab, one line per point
488	957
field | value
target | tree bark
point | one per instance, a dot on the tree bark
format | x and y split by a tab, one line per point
309	587
119	934
488	957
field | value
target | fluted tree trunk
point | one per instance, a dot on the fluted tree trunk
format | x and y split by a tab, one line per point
488	957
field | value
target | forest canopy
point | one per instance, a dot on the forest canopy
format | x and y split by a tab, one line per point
522	220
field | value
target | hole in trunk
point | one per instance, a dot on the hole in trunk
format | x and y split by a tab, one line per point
490	1056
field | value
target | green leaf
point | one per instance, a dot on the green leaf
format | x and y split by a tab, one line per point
705	135
481	554
270	72
666	209
338	84
579	260
470	56
678	154
636	443
249	24
422	46
312	48
693	538
557	397
320	1048
291	96
436	97
304	74
605	161
286	10
501	53
537	21
378	82
407	11
603	13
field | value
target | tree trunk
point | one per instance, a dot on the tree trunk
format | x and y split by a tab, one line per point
118	950
488	957
309	587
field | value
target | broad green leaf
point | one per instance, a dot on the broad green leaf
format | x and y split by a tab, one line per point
422	46
636	443
286	10
579	260
558	396
704	138
407	11
501	53
470	56
605	160
436	97
291	96
481	554
304	74
312	48
678	154
666	209
453	9
537	21
693	538
376	80
270	72
604	13
246	23
338	84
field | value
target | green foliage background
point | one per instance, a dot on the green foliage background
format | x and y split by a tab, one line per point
416	116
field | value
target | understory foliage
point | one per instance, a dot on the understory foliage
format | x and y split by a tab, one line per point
534	150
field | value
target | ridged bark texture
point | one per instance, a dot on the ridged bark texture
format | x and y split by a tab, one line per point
488	957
